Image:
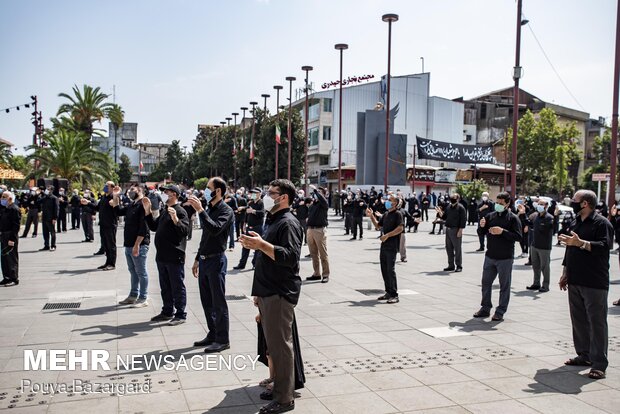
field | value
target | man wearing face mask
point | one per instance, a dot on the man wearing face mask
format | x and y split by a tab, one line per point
170	228
541	231
108	220
10	220
255	216
63	202
392	225
347	209
75	210
277	287
586	276
210	263
317	235
502	228
455	220
89	209
136	240
49	214
31	203
484	208
359	210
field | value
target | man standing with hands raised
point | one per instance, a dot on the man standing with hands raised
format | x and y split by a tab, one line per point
171	228
210	263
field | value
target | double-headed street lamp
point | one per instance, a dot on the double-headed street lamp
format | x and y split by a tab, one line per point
306	69
278	88
389	18
235	114
290	80
253	103
341	47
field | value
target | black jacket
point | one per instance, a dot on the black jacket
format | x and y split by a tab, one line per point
502	246
317	214
10	221
49	207
215	223
455	217
280	276
108	215
170	238
255	219
135	224
90	208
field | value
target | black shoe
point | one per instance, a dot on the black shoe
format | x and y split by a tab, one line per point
480	249
449	269
384	297
22	237
43	249
108	267
353	238
203	342
238	267
458	269
324	279
528	263
314	277
266	395
361	237
5	282
482	314
275	407
34	235
52	248
308	255
215	347
497	317
533	287
543	289
101	267
161	318
99	253
9	282
432	232
393	299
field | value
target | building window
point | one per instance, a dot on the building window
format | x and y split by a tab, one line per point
327	104
313	137
467	137
327	133
313	112
324	160
483	111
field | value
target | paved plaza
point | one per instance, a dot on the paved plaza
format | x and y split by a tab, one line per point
424	354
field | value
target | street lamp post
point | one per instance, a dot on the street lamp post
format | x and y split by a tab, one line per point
341	47
306	69
515	106
278	88
235	114
253	103
389	18
611	190
422	59
228	119
265	96
290	80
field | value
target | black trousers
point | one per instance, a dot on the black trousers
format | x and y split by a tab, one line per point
304	226
87	226
108	242
387	258
358	222
75	218
348	222
245	253
588	314
212	286
239	221
49	230
32	218
424	212
61	223
9	261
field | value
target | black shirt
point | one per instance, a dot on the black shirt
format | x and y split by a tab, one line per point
49	207
542	231
455	216
301	210
75	201
215	223
590	269
32	201
359	208
490	208
390	221
170	238
280	276
255	219
10	221
502	246
107	214
135	224
317	214
90	208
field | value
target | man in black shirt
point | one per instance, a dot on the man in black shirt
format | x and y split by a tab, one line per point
210	263
503	229
48	205
359	210
255	215
31	203
317	235
347	210
586	276
301	207
88	209
108	220
392	225
136	240
170	228
232	203
541	232
63	202
485	208
10	220
75	210
277	286
455	220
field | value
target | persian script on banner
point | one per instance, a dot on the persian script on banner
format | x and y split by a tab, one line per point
445	151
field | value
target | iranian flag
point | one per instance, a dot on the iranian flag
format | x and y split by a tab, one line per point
234	151
278	134
252	149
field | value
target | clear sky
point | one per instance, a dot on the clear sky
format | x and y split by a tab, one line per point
179	63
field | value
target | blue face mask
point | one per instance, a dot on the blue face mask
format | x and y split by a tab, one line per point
4	202
388	205
105	189
208	195
540	208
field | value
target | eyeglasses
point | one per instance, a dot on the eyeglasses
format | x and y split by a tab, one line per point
271	193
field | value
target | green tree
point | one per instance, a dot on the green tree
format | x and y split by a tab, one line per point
601	150
159	172
19	163
472	190
201	183
85	107
124	169
68	154
6	156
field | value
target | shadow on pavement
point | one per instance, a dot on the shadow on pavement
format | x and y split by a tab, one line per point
534	294
121	331
360	303
76	272
473	325
559	381
102	310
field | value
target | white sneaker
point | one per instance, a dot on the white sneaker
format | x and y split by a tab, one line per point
129	300
141	303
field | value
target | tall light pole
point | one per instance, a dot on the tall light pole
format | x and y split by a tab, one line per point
235	114
290	80
341	47
389	18
265	96
278	88
422	59
515	105
611	191
252	138
306	69
228	119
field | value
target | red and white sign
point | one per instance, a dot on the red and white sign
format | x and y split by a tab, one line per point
600	177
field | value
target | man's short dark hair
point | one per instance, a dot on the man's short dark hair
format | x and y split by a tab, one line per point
218	182
285	187
589	196
504	196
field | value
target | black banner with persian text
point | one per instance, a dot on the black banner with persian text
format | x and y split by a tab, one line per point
445	151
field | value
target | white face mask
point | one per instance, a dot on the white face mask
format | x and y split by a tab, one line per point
269	203
485	198
164	197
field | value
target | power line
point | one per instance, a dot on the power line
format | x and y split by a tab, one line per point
553	67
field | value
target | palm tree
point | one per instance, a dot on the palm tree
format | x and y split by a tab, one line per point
85	108
6	155
68	154
116	115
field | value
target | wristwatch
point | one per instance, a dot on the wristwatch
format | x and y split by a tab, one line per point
583	246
